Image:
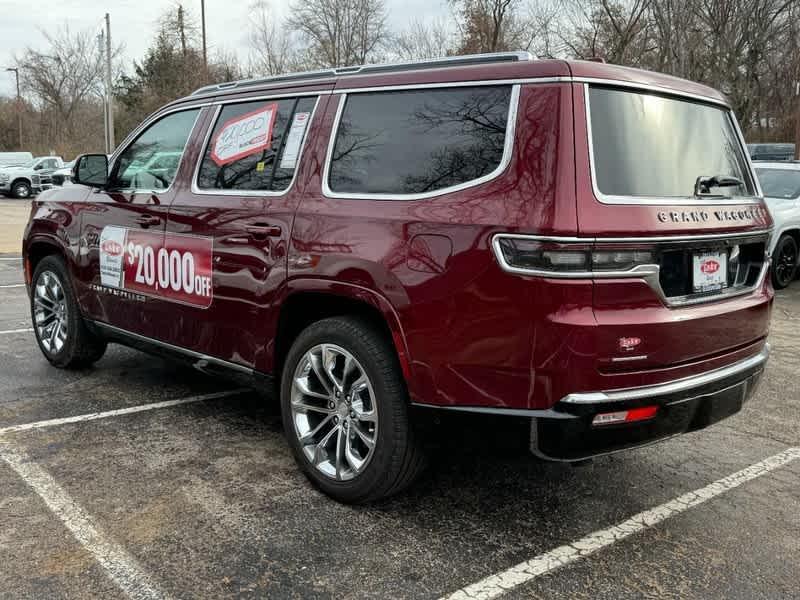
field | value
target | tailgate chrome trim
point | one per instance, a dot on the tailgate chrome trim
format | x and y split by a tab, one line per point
756	361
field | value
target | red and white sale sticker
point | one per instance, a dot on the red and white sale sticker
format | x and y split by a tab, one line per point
245	135
169	266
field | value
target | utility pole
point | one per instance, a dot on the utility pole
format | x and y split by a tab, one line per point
797	121
15	70
109	89
182	29
205	48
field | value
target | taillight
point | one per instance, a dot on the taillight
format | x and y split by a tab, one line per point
625	416
528	255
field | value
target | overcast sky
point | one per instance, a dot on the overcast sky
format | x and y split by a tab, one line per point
133	23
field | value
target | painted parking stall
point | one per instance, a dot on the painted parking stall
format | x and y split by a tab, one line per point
170	266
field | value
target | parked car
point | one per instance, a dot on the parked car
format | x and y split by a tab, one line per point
771	152
14	159
780	182
30	178
576	244
63	176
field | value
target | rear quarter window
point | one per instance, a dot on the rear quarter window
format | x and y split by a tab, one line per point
419	141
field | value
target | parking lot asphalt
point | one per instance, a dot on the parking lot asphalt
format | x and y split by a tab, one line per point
201	498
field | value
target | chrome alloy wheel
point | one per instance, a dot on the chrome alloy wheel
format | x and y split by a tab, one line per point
334	411
50	312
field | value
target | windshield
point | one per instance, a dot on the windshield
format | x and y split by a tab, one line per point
656	147
779	183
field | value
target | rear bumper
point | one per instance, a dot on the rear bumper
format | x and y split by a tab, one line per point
566	432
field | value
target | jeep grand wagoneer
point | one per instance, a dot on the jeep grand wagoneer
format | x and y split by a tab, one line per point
578	244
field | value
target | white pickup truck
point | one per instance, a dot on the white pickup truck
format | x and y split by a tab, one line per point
28	179
780	182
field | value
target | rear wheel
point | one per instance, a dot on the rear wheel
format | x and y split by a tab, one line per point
346	413
21	189
60	330
784	262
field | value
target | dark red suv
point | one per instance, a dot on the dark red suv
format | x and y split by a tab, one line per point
576	243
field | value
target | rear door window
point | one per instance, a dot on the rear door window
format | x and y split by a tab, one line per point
419	141
654	146
255	146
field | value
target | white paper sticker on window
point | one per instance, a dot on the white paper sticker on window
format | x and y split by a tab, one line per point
244	135
292	147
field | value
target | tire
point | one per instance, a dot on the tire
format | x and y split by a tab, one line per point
70	345
374	408
21	189
784	262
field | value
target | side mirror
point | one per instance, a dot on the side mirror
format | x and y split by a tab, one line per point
38	167
91	170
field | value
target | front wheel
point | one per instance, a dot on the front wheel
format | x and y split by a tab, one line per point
784	262
60	330
21	190
346	413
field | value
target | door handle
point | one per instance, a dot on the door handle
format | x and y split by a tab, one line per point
148	221
262	231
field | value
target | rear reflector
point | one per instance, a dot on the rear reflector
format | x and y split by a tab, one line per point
625	416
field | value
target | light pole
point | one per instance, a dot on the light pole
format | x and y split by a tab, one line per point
205	48
15	70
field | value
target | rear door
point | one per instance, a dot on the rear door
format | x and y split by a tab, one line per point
236	216
123	228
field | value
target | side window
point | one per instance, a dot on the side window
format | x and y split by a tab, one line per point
418	141
255	146
151	161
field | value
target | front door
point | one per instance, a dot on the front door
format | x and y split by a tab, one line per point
123	228
240	204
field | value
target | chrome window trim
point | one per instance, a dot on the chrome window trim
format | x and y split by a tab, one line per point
505	160
671	387
666	200
647	273
651	87
141	129
196	189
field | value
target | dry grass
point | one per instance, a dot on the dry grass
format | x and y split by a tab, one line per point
13	217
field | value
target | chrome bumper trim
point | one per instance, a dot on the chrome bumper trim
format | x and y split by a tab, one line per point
671	387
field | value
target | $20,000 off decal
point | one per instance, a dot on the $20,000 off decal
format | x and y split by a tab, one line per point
169	266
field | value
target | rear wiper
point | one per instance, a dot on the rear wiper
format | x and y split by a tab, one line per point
704	183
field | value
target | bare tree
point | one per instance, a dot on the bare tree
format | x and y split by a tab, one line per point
271	49
422	40
338	33
490	26
62	81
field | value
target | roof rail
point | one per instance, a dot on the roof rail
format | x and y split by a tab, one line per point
433	63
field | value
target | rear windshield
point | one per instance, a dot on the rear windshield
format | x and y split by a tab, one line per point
779	183
656	147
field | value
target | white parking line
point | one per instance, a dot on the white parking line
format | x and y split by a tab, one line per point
12	285
496	585
118	412
123	569
10	258
10	331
